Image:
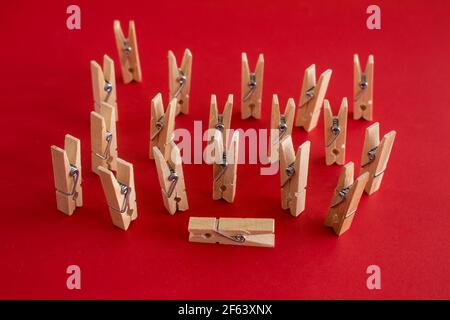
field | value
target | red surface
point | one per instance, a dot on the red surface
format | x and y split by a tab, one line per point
46	92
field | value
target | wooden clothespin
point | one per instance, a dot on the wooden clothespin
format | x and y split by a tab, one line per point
375	156
104	84
225	167
236	231
171	179
67	175
161	124
294	175
180	80
251	88
103	138
335	132
311	98
345	200
363	89
280	126
220	121
128	52
120	193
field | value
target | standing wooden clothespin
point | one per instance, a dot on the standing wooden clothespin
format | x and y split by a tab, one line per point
120	193
345	200
375	156
171	179
335	133
180	80
235	231
311	98
103	138
220	121
363	89
67	175
251	88
280	126
294	175
161	124
104	84
128	52
225	167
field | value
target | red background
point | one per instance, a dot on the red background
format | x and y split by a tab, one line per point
46	93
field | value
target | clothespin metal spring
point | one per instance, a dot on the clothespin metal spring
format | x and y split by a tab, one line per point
108	88
342	195
125	190
252	86
159	126
309	95
75	174
363	85
108	138
173	178
182	81
335	129
224	165
236	238
290	171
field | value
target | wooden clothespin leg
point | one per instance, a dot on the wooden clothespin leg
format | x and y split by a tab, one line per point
335	133
120	193
294	176
235	231
180	80
345	200
251	88
104	84
225	167
220	121
363	89
171	179
375	156
161	124
103	138
67	175
280	126
311	98
128	52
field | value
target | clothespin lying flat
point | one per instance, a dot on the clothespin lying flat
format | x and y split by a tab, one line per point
375	156
171	179
220	121
103	138
67	175
128	52
236	231
225	167
363	89
180	80
345	200
120	193
335	133
161	124
104	84
251	88
294	175
280	126
311	98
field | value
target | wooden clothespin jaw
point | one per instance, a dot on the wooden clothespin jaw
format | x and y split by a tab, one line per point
375	156
162	125
311	98
280	126
294	175
171	179
220	121
345	200
180	80
127	49
363	89
67	175
104	84
251	88
103	138
120	193
235	231
335	133
225	167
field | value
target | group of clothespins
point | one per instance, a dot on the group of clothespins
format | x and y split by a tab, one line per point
119	188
